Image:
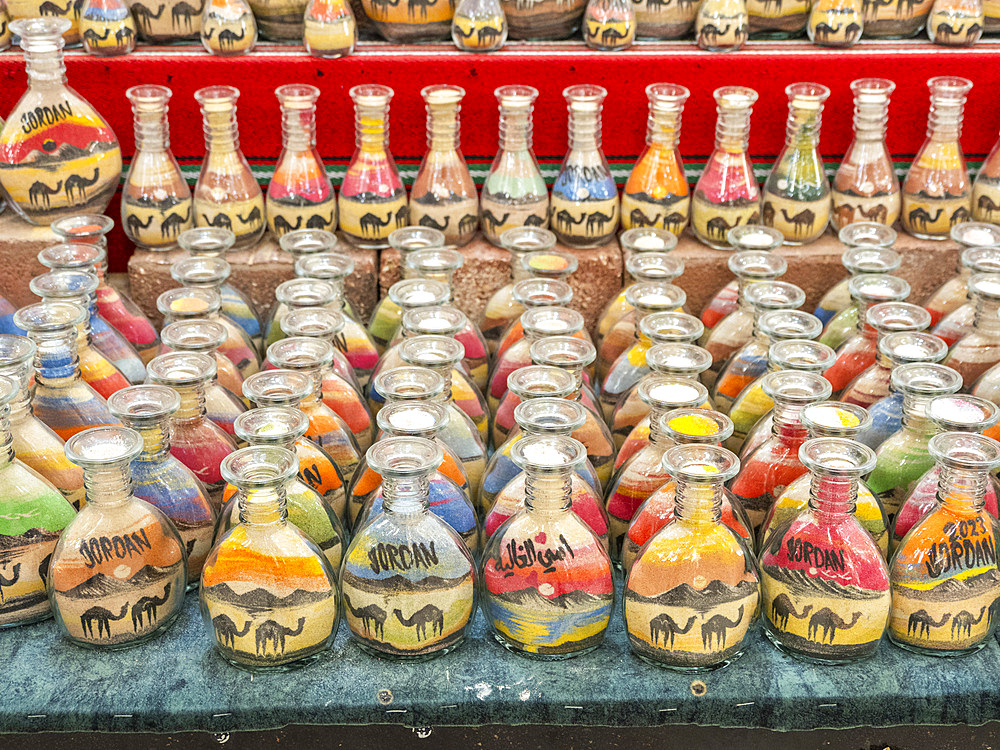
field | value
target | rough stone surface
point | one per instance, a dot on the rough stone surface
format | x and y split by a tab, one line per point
20	243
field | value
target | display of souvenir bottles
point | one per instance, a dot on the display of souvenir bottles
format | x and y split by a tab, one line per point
727	192
721	25
211	273
227	194
565	573
774	464
953	293
443	195
195	441
640	266
514	193
796	193
835	23
949	414
61	398
115	538
978	351
407	294
772	21
479	26
529	294
894	349
823	561
956	23
52	167
609	24
159	478
959	322
858	260
228	28
250	564
186	303
372	187
930	587
986	188
585	208
99	20
865	187
693	567
417	601
34	512
937	192
300	194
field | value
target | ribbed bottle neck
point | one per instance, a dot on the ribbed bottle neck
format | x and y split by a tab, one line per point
962	490
832	498
43	61
220	127
584	126
152	130
516	127
192	402
871	116
371	126
406	494
987	316
803	126
262	506
298	125
549	491
108	485
732	129
56	357
697	504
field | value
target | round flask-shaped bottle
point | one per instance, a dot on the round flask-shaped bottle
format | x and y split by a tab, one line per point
721	25
954	293
857	261
956	23
960	322
609	25
894	350
331	31
532	293
228	29
107	28
979	350
479	26
211	273
534	381
835	23
986	188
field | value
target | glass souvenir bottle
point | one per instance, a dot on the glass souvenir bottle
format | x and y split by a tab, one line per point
185	303
227	194
514	193
246	585
300	194
566	587
407	294
574	354
857	260
609	25
228	28
823	561
5	35
212	273
331	31
302	244
953	293
99	19
195	441
721	25
479	26
61	399
784	21
797	183
865	187
865	290
585	208
894	350
161	480
949	414
979	350
324	323
956	23
409	581
931	586
372	187
529	294
727	192
986	188
960	321
835	23
774	464
411	239
299	294
34	511
644	266
119	564
47	170
937	192
693	567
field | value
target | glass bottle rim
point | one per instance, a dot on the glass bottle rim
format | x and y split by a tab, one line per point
807	93
867	234
149	93
757	265
655	296
522	95
72	256
404	457
217	94
641	240
143	404
837	457
537	381
671	327
431	351
755	238
555	414
650	265
878	287
277	387
863	259
440	320
50	316
82	227
66	284
540	291
189	302
271	425
412	418
305	292
527	239
667	95
962	413
409	383
371	95
678	356
985	286
897	316
971	234
16	350
210	271
179	369
873	86
585	93
411	293
325	266
104	446
318	322
434	260
693	425
801	354
735	97
442	93
796	387
775	295
701	464
548	454
563	351
965	450
925	379
194	335
836	416
297	91
301	353
551	321
416	238
790	324
304	242
912	346
36	29
206	240
952	86
671	392
985	259
260	467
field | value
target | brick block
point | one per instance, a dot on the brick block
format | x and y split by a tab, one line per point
20	243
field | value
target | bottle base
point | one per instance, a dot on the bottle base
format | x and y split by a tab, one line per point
291	666
517	649
937	652
47	615
799	656
680	669
408	657
163	626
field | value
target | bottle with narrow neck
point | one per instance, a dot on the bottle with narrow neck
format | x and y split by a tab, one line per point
299	294
727	192
864	290
195	441
695	548
858	260
820	559
44	176
409	240
937	192
534	292
721	25
894	350
228	27
331	30
959	322
974	238
575	355
956	23
372	197
986	188
61	398
609	25
150	576
479	26
546	545
252	558
514	194
774	464
835	23
159	478
440	576
329	325
407	294
797	193
979	350
925	585
212	273
300	194
107	28
316	256
534	381
34	510
227	194
585	207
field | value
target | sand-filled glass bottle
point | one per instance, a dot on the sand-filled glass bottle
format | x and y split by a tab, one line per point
228	27
109	595
479	26
937	192
979	350
529	294
58	156
956	23
953	293
410	239
331	31
534	381
514	193
407	294
960	321
986	188
894	350
299	294
858	260
721	25
835	23
609	25
329	325
212	273
246	584
865	290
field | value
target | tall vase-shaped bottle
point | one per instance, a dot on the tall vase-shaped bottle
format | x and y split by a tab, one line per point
331	29
300	194
58	156
303	611
372	197
956	23
149	566
479	26
585	207
937	193
965	586
858	261
656	192
228	27
986	188
107	28
796	193
609	24
227	194
865	187
721	25
514	194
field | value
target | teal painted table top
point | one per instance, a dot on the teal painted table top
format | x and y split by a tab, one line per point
178	683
